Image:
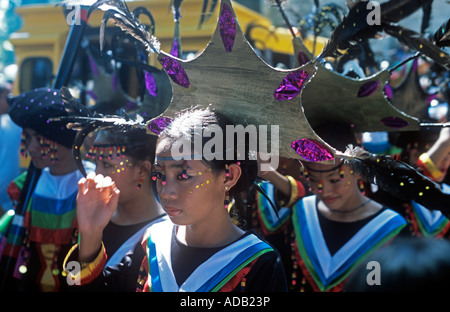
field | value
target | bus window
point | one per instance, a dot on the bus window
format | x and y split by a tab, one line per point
35	72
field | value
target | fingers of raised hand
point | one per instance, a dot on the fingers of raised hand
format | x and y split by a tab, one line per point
102	182
97	183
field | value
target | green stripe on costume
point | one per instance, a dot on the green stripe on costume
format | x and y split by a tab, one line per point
270	226
424	231
311	269
53	222
20	180
240	267
302	251
5	220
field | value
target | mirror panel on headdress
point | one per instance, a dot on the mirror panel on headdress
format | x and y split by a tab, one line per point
236	82
359	102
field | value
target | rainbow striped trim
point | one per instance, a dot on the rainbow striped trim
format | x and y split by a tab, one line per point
326	270
211	275
430	222
269	221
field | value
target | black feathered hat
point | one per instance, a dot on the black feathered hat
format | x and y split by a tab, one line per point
36	108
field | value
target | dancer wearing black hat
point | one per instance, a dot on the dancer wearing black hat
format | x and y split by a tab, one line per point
44	225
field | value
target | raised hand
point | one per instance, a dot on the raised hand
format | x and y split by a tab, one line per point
96	202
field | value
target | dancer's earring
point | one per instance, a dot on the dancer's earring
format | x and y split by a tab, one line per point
139	185
361	186
320	186
227	198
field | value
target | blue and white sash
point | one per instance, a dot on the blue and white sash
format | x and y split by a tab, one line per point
210	275
130	243
270	220
431	222
326	269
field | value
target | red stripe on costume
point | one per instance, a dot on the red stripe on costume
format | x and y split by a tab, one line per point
146	288
444	231
237	278
411	217
309	277
50	236
304	269
13	192
265	230
11	250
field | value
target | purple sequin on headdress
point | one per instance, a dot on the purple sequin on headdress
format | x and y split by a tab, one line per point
291	86
302	58
175	71
227	26
157	125
394	122
368	88
311	150
388	91
150	84
175	50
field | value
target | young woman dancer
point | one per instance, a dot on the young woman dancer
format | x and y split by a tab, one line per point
338	227
126	154
200	249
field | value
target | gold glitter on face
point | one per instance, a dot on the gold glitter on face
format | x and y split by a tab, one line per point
112	166
192	190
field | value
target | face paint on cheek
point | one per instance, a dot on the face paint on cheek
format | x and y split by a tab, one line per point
49	149
23	146
192	181
201	185
204	182
184	173
119	168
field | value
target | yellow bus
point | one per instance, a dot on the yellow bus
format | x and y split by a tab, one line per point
39	44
